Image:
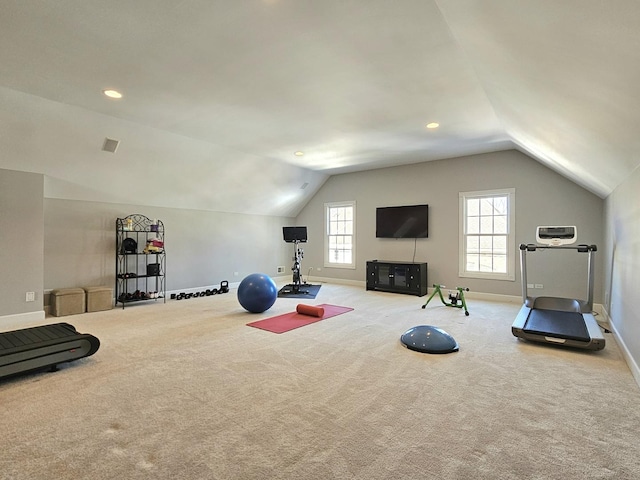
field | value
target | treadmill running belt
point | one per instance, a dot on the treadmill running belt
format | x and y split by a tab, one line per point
553	323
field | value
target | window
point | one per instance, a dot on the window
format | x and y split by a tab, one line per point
339	243
487	240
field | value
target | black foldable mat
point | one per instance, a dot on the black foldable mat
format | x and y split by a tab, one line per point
552	323
36	348
304	291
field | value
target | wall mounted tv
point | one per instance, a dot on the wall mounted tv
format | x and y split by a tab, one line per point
410	221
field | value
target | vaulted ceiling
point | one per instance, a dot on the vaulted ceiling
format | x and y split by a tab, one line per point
219	94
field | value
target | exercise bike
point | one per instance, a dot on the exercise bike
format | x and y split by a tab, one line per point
296	269
454	297
295	235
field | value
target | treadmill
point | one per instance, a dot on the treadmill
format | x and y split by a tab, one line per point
37	348
560	321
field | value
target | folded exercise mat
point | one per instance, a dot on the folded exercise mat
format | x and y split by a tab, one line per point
289	321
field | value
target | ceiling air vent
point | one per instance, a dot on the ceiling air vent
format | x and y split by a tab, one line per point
110	145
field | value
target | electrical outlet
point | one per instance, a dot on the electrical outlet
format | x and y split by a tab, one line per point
538	285
280	269
319	269
31	297
235	274
530	285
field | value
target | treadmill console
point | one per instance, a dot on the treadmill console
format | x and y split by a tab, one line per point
556	236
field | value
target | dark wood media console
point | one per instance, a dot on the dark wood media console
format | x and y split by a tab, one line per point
397	277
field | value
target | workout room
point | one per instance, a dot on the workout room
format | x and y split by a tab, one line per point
321	240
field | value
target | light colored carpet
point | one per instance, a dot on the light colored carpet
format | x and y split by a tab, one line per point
186	390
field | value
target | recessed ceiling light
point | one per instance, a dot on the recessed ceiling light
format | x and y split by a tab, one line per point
298	153
112	93
433	125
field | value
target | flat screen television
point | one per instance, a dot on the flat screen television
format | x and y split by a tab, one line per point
294	234
410	221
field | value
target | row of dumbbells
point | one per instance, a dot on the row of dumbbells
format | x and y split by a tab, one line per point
224	288
138	295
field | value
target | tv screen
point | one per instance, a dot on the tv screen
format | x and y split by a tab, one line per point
411	221
294	234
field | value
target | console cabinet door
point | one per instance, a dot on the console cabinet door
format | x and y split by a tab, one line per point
372	275
400	278
414	278
418	279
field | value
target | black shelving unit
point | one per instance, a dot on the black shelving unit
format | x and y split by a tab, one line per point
140	260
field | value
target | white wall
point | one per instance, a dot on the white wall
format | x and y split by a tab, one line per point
622	266
150	166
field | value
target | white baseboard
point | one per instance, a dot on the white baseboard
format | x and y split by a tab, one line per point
339	281
491	297
631	362
21	320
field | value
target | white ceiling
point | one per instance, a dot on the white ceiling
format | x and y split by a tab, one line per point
219	94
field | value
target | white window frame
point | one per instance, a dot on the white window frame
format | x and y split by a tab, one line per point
510	274
327	253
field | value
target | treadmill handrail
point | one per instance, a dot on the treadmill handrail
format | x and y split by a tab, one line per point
583	248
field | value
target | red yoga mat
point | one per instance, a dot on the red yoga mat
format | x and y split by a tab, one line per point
289	321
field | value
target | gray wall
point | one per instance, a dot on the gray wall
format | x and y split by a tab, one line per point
203	248
622	265
50	243
542	198
21	241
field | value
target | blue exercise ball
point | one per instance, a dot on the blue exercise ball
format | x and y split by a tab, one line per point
257	292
